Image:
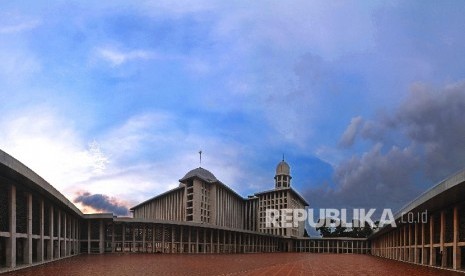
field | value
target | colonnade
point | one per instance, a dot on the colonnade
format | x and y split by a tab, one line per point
338	246
175	238
439	241
33	229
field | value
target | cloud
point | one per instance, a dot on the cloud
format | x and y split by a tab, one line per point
419	144
50	146
102	203
117	57
351	132
149	152
13	23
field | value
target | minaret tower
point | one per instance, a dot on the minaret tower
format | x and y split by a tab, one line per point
283	175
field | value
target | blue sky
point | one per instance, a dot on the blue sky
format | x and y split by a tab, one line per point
114	100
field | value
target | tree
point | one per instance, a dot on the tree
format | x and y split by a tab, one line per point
325	230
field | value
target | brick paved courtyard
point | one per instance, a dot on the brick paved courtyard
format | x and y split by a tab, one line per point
238	264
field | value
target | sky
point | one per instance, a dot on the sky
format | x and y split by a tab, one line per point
110	101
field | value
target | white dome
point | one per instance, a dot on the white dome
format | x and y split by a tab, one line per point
201	173
283	168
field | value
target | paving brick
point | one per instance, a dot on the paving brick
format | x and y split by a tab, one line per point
233	264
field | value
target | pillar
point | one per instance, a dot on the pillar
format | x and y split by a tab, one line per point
50	229
204	240
113	245
64	250
211	242
424	261
162	238
40	249
432	256
197	240
153	238
415	248
28	248
189	240
456	249
123	244
58	253
101	243
181	244
172	239
143	239
441	238
11	242
133	238
88	236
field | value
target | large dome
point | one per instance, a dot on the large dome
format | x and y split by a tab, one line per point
200	173
283	168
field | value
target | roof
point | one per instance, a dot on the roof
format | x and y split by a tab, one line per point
444	194
24	176
201	173
285	189
157	196
283	168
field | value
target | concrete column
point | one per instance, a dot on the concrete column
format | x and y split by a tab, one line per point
407	242
218	241
163	238
189	240
441	238
204	240
70	245
50	229
123	246
88	236
415	250
134	238
432	256
197	240
74	246
40	248
28	248
143	239
240	243
181	244
113	246
424	261
211	242
58	253
172	239
11	242
456	258
101	243
65	240
153	238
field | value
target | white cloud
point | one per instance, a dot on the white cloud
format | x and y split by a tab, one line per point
117	57
13	28
17	64
51	147
121	163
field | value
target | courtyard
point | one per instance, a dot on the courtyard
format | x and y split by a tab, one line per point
229	264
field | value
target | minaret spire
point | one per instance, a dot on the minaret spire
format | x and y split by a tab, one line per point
200	154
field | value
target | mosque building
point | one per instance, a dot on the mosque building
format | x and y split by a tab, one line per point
204	216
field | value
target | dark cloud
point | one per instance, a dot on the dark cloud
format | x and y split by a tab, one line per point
421	143
102	203
348	138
